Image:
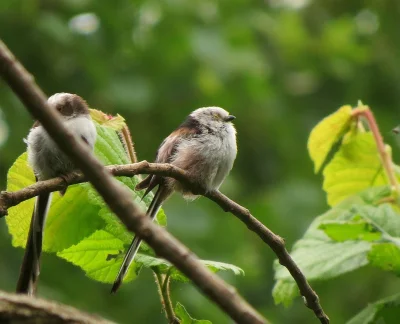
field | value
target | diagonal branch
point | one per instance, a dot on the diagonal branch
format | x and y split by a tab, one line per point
118	198
9	199
23	309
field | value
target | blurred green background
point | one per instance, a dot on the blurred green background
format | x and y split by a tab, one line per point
279	66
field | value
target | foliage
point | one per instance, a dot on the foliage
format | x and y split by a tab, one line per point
98	242
278	66
184	316
82	201
363	226
383	311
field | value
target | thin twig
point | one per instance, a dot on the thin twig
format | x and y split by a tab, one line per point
118	198
8	199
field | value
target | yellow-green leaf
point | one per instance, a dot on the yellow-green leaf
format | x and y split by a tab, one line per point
114	122
355	167
326	134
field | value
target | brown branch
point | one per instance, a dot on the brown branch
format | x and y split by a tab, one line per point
277	244
118	198
23	309
8	199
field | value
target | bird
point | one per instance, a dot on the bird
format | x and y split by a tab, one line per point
48	161
204	145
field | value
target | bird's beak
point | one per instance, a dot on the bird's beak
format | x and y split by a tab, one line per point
396	130
229	118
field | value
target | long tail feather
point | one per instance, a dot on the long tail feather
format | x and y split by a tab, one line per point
30	268
152	211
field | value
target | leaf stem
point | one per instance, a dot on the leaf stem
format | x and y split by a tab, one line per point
162	282
126	138
159	279
169	309
383	153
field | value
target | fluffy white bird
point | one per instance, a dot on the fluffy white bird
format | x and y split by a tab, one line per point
48	161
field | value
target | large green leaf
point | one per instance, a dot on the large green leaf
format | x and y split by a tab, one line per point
81	212
380	224
321	258
326	134
385	311
93	253
70	218
101	255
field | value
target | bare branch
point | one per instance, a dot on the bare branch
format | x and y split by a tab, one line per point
118	198
8	199
23	309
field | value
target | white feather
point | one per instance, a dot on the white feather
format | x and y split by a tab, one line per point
44	155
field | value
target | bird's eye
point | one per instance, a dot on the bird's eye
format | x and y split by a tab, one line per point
216	116
65	109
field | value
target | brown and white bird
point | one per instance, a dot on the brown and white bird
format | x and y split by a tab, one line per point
204	145
48	161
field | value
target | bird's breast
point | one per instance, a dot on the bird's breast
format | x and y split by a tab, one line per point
44	155
208	158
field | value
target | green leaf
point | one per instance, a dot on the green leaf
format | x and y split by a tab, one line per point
284	292
111	151
60	231
326	134
385	256
384	218
101	254
81	212
372	224
354	168
185	318
163	266
318	256
325	260
369	223
341	231
214	266
385	311
92	255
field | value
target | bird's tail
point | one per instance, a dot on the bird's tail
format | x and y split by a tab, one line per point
30	268
160	196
